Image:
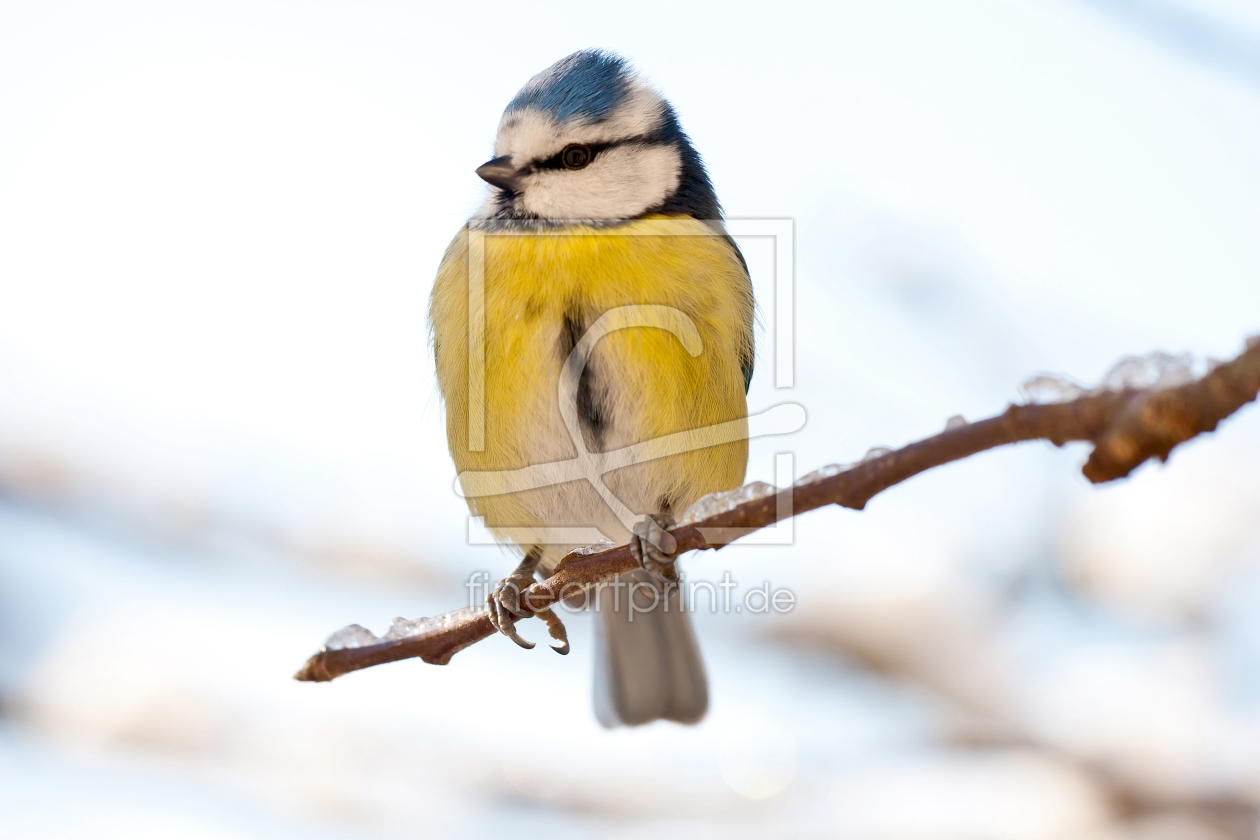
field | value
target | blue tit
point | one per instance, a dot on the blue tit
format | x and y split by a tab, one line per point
610	309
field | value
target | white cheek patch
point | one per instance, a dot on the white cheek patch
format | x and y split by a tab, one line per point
622	182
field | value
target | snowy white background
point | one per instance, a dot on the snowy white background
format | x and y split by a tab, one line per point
220	437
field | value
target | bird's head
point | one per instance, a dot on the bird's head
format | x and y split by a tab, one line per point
587	140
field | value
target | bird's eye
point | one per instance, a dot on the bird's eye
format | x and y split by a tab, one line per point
575	157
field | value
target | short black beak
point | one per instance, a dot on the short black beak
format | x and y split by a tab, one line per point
500	173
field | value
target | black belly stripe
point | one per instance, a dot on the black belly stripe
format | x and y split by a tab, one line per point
592	406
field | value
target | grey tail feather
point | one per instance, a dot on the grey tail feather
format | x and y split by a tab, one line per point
647	662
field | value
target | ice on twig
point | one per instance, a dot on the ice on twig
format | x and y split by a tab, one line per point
821	473
402	628
353	636
594	548
715	503
1046	389
955	422
876	452
1156	371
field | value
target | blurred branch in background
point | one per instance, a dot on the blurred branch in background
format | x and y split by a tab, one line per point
1200	36
1143	409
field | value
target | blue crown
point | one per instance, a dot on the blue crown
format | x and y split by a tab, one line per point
588	84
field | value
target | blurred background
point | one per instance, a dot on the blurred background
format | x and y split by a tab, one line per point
220	437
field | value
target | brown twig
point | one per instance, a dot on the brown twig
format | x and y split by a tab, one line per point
1126	427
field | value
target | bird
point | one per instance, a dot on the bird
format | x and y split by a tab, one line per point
609	308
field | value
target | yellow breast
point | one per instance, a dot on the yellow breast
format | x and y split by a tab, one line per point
532	295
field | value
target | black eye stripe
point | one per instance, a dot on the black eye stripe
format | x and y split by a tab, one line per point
556	161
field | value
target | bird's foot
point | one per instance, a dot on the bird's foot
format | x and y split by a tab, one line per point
653	546
505	606
504	602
